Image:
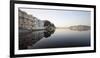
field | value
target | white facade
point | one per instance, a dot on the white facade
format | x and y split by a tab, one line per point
29	22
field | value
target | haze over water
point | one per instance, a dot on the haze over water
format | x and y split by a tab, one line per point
58	38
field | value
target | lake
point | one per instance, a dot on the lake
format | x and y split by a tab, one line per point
57	38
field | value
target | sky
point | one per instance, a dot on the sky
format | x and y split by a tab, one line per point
61	18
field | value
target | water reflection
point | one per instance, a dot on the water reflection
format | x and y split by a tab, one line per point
26	40
48	33
54	39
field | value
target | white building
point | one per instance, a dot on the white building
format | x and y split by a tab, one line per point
29	22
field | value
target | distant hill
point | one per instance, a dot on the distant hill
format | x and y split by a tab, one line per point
79	27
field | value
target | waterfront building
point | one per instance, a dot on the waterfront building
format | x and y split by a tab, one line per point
29	22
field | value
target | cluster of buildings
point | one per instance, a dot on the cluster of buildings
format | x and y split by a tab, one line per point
29	22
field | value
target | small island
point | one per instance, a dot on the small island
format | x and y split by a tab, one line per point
79	27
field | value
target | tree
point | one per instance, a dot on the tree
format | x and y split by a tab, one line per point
47	23
53	25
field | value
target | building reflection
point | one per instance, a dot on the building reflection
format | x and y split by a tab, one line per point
28	39
48	33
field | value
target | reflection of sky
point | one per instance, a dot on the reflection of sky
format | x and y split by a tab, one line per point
64	38
61	18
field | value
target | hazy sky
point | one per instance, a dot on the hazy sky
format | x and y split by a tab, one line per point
61	18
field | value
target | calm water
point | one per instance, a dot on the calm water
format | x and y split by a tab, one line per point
55	39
